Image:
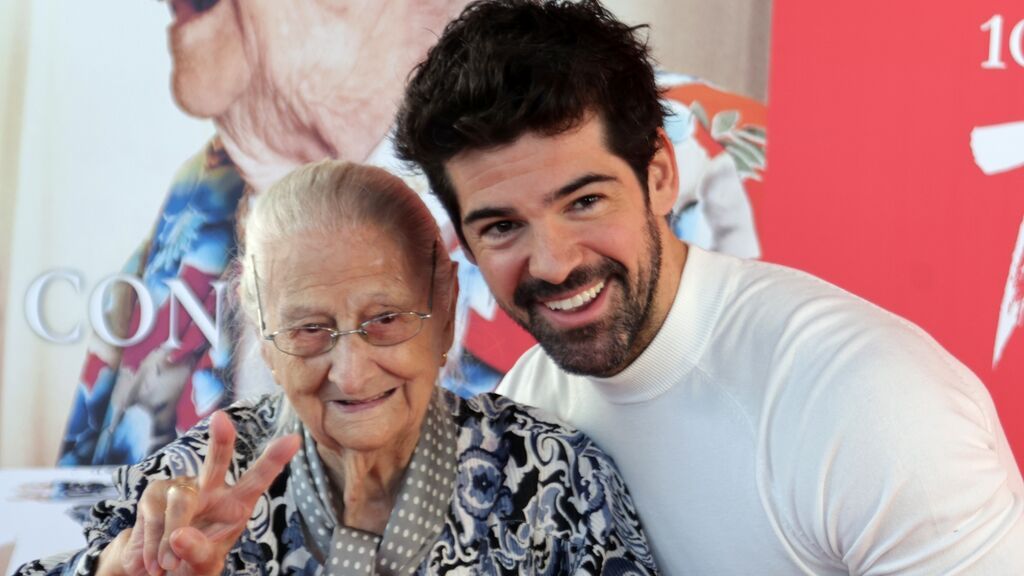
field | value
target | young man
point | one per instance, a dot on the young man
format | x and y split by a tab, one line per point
765	421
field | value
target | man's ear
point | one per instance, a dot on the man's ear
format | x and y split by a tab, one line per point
465	250
663	176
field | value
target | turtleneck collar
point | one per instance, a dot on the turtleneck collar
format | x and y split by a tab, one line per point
679	344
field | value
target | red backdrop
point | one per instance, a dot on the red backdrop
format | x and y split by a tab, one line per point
871	182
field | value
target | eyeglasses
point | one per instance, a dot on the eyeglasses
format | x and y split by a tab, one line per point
313	339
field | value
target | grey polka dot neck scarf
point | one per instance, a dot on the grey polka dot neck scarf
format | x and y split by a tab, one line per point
415	521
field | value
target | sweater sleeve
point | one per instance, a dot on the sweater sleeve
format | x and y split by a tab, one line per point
893	461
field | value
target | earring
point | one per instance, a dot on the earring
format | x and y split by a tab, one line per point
444	359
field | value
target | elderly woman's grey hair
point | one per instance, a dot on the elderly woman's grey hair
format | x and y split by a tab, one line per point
331	197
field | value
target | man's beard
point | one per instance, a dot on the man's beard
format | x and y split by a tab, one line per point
606	347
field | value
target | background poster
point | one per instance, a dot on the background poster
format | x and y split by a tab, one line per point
92	140
896	169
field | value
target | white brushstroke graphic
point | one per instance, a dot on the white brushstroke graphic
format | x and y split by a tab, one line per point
999	147
1011	312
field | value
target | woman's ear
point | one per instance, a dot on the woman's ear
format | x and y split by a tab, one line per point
451	304
268	358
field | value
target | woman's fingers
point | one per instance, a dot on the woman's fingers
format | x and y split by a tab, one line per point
132	558
182	503
200	553
149	522
266	469
119	557
219	454
197	520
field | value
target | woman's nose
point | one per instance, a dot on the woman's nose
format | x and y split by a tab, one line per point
352	364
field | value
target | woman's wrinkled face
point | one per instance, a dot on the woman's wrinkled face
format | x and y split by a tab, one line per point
356	396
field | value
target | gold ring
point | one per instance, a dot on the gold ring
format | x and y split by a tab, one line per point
185	483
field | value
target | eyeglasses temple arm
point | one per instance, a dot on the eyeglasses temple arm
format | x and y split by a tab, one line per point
259	303
433	269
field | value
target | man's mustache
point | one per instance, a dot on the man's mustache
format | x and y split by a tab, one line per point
533	289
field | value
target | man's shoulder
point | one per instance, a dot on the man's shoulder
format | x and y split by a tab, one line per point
778	301
829	351
816	334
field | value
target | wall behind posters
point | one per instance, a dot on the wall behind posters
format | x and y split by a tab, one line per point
897	169
92	139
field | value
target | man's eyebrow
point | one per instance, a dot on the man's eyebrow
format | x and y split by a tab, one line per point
485	213
502	212
585	180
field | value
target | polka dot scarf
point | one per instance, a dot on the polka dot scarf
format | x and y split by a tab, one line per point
415	521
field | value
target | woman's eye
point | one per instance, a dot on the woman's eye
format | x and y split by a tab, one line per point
306	335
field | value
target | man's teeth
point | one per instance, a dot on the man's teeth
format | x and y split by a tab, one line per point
578	300
377	397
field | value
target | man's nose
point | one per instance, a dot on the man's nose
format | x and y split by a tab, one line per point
554	254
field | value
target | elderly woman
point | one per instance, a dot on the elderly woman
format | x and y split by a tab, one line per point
367	466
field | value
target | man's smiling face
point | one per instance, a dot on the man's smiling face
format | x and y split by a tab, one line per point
569	243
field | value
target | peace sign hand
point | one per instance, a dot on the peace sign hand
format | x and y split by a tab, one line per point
187	525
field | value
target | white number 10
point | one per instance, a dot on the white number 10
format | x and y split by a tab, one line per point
994	27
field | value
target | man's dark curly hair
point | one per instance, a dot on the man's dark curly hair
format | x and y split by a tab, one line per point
507	67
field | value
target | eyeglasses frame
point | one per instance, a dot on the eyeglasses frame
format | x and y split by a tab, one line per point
337	334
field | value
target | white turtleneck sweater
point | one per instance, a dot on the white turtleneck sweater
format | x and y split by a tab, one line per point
778	425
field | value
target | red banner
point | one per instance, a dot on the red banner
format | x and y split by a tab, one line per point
896	169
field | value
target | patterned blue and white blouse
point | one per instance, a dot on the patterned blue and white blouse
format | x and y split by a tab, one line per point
515	493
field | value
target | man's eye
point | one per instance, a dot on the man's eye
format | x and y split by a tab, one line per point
498	229
585	202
